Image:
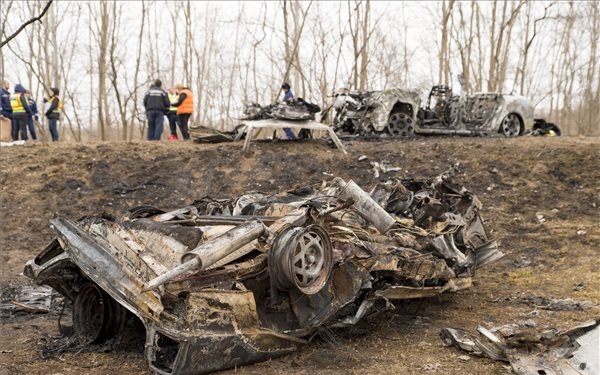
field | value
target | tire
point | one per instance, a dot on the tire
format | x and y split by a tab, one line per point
511	125
401	124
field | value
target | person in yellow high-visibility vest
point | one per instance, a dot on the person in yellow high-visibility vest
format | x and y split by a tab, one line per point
172	113
53	113
20	111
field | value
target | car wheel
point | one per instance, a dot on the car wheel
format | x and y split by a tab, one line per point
401	124
301	259
511	125
97	317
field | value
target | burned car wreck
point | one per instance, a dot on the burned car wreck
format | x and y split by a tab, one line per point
222	283
294	110
401	113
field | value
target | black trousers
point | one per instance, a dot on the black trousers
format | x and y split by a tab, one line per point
183	124
19	125
172	116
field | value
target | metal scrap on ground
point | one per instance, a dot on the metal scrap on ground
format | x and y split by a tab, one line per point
572	352
227	282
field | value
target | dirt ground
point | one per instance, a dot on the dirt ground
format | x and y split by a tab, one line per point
541	199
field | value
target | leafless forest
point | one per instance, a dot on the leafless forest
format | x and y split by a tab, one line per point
103	54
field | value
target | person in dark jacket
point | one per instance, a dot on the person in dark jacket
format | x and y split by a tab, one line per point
288	97
5	105
20	112
53	113
35	116
157	105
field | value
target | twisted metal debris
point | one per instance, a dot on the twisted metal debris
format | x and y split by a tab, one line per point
227	282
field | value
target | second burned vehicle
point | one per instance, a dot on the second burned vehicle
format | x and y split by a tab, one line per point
401	113
226	282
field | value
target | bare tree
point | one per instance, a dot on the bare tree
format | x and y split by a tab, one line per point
4	12
500	42
529	38
101	25
590	108
205	57
292	38
444	64
187	43
463	37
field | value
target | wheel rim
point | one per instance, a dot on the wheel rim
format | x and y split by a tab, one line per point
308	259
301	258
400	125
96	316
511	125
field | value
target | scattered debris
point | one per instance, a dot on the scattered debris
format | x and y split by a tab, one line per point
529	352
203	134
382	167
226	282
431	366
13	143
543	128
27	298
556	304
549	303
522	262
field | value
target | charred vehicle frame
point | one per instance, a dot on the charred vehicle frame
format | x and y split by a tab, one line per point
222	283
400	113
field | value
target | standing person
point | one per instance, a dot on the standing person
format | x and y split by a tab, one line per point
6	108
185	108
288	97
172	114
20	111
53	113
34	116
157	104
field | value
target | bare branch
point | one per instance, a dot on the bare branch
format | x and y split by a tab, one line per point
23	26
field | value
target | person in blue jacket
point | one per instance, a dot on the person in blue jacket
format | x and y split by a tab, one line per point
35	115
5	104
288	97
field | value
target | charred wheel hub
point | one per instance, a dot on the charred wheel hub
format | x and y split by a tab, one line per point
97	317
511	125
400	124
301	258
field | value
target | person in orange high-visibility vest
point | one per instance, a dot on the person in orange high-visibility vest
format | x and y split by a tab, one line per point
185	108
